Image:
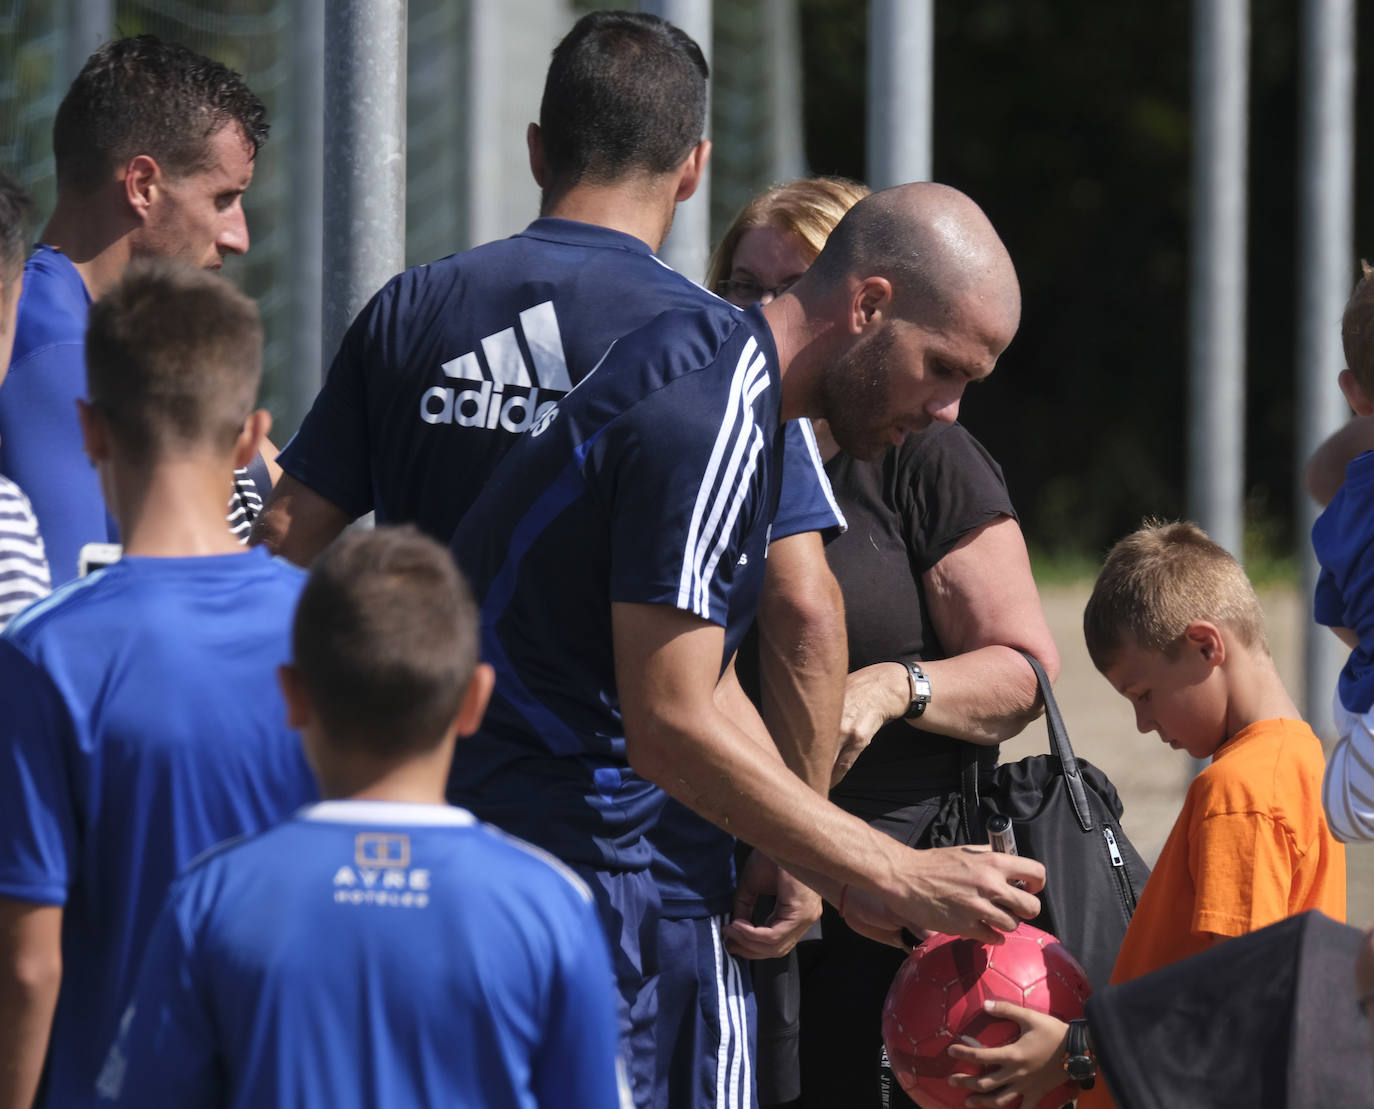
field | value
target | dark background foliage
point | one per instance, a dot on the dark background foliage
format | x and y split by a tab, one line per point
1070	124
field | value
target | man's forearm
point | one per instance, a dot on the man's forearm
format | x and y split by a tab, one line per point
803	657
297	523
30	976
676	736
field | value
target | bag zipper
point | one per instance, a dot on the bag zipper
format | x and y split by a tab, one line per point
1123	880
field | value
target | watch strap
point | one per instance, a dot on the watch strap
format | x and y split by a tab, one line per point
919	690
1079	1063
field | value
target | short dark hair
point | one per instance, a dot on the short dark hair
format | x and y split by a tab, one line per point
17	214
385	641
625	93
173	359
145	96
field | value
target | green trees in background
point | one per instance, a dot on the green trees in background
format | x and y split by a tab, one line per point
1070	124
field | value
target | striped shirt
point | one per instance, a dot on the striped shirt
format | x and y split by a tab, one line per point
24	576
245	504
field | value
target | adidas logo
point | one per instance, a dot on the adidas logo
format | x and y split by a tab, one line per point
540	373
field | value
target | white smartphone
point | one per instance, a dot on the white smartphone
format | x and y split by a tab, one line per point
94	556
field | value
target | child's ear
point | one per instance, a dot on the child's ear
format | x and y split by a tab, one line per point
1355	394
95	431
299	711
475	700
250	437
1205	638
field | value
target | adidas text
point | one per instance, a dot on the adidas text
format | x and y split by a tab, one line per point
485	406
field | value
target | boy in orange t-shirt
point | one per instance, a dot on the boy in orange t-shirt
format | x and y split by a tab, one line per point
1174	624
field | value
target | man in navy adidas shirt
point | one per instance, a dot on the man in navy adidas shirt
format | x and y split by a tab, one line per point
380	948
140	721
616	552
450	361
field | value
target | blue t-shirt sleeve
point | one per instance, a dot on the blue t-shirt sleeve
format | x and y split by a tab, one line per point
679	474
1328	607
578	1064
166	1053
38	820
42	452
806	502
331	453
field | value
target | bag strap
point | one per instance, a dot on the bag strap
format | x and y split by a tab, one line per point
1060	746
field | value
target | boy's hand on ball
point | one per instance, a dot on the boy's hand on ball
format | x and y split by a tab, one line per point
1027	1068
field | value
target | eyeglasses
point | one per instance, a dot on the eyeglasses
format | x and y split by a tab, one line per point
745	291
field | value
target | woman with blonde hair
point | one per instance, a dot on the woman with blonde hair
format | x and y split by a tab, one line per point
938	595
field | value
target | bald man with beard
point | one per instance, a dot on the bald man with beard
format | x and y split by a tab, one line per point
618	550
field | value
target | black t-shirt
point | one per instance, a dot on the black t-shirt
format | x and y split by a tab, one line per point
906	511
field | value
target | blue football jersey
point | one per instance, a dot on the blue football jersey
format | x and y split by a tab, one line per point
370	953
141	724
451	361
653	482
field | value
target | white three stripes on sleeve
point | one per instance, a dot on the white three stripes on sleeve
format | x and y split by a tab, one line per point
1348	789
718	502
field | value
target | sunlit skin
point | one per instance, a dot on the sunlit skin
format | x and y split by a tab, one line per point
9	316
872	406
1180	695
770	258
198	218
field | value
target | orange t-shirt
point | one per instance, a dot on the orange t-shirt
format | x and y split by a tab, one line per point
1250	847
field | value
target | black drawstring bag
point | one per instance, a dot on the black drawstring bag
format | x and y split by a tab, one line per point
1065	814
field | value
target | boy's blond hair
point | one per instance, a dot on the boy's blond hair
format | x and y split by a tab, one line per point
1160	579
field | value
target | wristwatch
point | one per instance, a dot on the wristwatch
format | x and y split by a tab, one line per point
1078	1062
920	691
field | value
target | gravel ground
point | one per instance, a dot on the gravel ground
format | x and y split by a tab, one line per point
1150	777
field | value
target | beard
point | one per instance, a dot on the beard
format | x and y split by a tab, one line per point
855	395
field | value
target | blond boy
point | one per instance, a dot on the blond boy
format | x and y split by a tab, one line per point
1174	624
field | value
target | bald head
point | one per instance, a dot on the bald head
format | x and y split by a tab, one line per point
935	246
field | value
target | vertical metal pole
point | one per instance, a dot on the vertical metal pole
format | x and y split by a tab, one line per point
485	82
1326	191
306	159
900	91
1216	432
364	156
688	245
89	23
782	33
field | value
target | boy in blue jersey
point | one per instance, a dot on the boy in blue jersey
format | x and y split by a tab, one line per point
451	362
140	721
458	966
154	146
618	553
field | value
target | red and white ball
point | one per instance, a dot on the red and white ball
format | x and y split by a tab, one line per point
937	999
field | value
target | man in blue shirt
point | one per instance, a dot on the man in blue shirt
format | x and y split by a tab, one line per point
462	967
154	148
140	722
450	362
616	552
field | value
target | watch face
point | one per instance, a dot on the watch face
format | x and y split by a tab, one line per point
1080	1068
923	688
